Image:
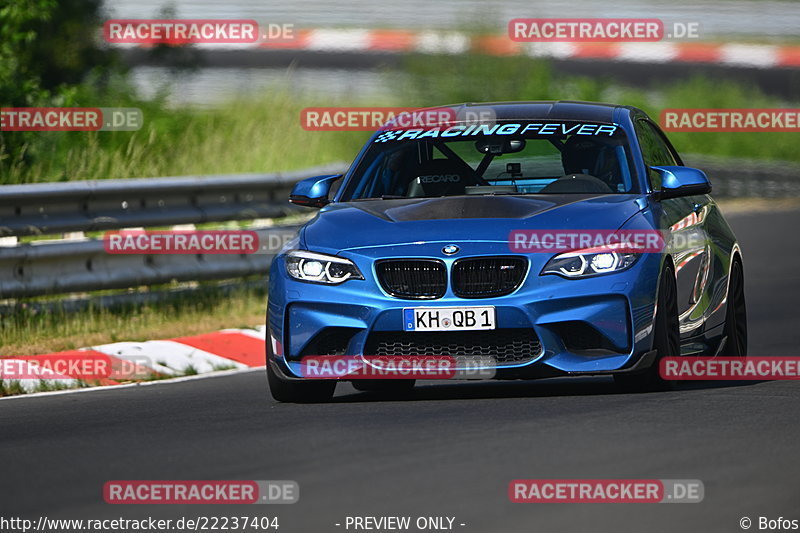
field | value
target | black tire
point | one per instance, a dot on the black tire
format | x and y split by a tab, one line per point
299	391
735	329
666	339
384	385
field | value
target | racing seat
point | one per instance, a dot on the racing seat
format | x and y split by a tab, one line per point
437	177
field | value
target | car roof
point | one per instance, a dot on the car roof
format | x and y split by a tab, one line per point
550	110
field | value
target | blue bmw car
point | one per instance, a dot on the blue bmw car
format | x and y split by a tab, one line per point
435	242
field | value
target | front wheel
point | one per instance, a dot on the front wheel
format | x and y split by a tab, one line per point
299	391
666	339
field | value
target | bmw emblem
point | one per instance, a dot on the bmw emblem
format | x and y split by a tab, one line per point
450	249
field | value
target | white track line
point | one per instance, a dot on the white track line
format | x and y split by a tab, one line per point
167	357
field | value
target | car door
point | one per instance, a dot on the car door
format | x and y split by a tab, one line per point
684	222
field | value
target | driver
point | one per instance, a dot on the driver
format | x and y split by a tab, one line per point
581	155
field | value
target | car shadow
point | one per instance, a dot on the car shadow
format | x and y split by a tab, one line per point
540	388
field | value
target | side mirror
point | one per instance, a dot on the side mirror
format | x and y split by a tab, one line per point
682	181
313	192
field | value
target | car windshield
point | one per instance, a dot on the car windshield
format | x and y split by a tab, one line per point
521	157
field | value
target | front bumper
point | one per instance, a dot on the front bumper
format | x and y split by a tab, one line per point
594	325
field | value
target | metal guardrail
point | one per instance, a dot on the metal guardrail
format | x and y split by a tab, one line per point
53	267
34	269
743	178
82	264
47	208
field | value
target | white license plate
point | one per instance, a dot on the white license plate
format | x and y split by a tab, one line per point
447	318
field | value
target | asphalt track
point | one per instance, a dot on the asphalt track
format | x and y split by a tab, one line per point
448	450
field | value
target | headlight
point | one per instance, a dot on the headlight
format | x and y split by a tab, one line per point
320	268
581	265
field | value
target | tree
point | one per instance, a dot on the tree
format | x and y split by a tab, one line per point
49	49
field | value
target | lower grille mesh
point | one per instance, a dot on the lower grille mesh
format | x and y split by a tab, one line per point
503	345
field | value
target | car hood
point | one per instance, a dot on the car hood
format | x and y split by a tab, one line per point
371	223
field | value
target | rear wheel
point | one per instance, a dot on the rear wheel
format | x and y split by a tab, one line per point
666	339
299	391
735	330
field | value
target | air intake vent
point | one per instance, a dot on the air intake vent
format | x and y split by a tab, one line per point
486	277
416	279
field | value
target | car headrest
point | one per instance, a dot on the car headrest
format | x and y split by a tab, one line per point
438	177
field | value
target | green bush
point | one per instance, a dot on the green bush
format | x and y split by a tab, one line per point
49	56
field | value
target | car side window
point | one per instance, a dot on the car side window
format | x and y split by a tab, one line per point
335	188
654	150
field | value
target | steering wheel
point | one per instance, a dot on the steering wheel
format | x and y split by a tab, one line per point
577	183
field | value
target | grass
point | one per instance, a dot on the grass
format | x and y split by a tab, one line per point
11	388
14	387
701	92
259	135
263	134
30	332
50	385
